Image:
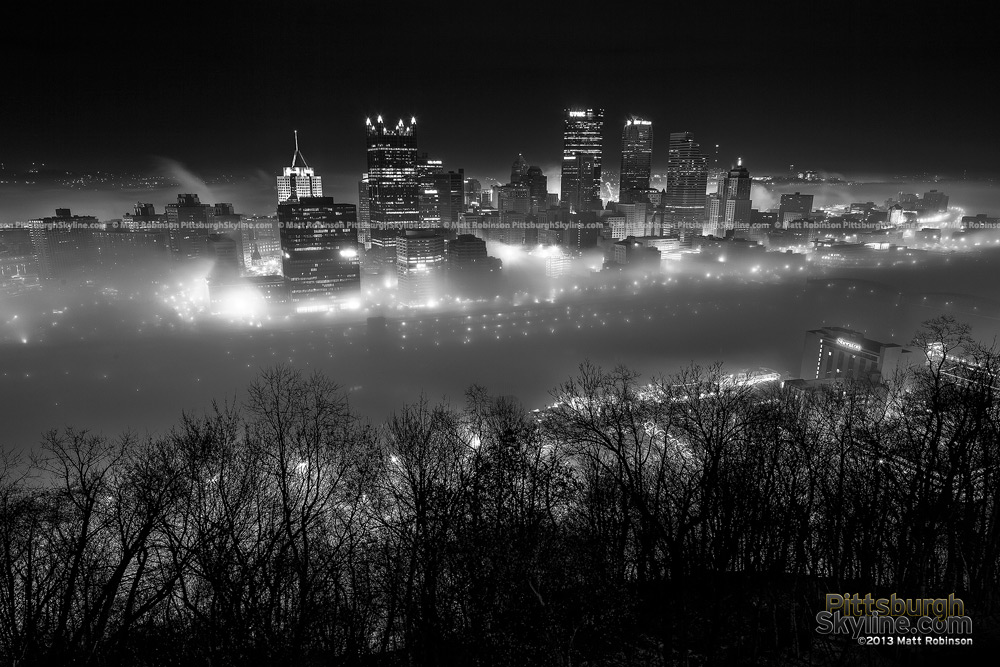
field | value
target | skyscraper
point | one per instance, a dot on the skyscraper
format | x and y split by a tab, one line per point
364	213
419	263
518	170
393	197
298	181
687	179
794	207
637	159
538	188
319	249
581	165
733	197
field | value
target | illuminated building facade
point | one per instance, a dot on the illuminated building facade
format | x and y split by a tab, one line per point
364	213
836	353
581	164
730	208
687	178
393	193
298	181
637	159
419	264
319	246
63	244
441	194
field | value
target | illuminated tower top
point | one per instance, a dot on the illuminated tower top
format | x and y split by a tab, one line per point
581	166
392	174
298	181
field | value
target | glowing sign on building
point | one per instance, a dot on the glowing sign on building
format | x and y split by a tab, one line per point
850	345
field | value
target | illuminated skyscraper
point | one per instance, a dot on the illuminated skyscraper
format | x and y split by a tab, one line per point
364	213
581	165
733	197
419	265
637	159
298	181
393	197
687	178
319	249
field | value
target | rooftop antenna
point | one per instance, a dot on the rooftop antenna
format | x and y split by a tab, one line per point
298	153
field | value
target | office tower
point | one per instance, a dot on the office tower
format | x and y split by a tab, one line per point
427	192
581	166
513	199
319	246
298	181
364	213
935	201
419	261
538	188
393	197
473	190
518	170
143	216
189	212
451	196
64	245
794	207
836	353
687	179
637	159
632	220
465	250
730	208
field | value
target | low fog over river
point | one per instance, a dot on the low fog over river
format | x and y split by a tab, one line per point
119	380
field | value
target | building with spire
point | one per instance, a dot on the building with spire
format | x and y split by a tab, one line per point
298	180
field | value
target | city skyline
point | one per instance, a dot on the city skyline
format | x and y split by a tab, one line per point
868	117
587	335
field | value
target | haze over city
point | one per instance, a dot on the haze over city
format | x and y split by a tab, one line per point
583	303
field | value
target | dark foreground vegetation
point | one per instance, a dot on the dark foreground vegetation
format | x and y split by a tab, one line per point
683	522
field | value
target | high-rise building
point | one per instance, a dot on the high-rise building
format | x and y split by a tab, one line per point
518	170
637	159
730	208
364	213
687	179
319	246
393	196
298	181
581	166
836	353
419	264
473	188
794	207
513	198
538	188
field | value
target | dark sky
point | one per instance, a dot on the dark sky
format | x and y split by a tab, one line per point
852	87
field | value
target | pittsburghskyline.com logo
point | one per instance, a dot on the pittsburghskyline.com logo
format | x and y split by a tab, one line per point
896	621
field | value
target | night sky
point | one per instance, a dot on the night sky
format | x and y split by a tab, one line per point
851	87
